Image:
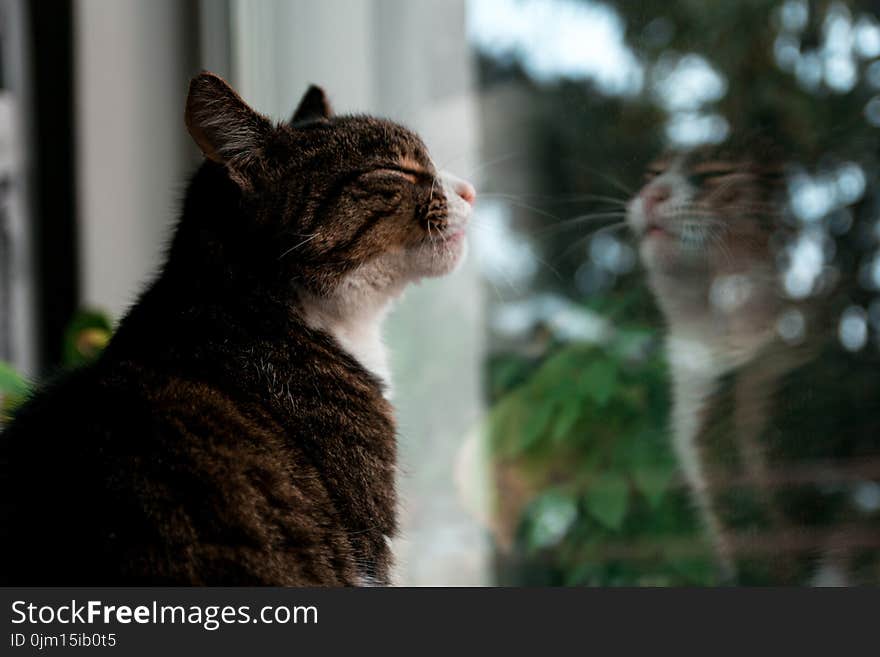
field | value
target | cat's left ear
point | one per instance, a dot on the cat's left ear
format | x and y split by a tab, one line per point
225	128
314	106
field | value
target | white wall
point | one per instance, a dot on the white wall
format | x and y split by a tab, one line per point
133	63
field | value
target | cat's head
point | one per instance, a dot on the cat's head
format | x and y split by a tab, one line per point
707	211
329	200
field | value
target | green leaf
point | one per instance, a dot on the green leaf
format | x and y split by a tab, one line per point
607	499
507	372
554	374
588	573
85	337
696	571
653	483
14	389
505	425
8	404
652	465
631	343
536	424
566	419
11	382
599	379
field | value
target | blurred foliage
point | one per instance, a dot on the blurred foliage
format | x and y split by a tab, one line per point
588	487
85	337
14	389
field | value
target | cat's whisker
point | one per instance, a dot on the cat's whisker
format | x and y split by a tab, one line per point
581	220
485	165
515	201
508	281
607	177
575	198
719	242
434	251
585	239
444	166
431	196
552	269
482	229
560	198
430	241
296	246
609	228
490	231
365	530
576	244
505	195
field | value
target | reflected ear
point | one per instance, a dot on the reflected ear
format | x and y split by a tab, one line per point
314	106
223	126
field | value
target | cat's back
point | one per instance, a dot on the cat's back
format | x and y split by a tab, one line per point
119	473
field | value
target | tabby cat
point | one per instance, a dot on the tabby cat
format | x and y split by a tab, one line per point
237	428
775	433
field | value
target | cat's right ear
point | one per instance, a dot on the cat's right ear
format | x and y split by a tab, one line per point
223	126
314	106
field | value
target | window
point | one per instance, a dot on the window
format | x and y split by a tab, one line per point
681	240
659	365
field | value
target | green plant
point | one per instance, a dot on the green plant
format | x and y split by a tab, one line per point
85	337
582	442
14	388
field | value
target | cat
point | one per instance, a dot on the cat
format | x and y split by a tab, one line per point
709	224
237	429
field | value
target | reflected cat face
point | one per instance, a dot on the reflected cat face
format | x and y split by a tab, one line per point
705	211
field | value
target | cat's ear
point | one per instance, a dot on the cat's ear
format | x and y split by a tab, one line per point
314	106
223	126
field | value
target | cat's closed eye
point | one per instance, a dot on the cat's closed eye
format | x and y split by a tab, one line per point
393	177
654	170
411	176
391	184
385	184
712	173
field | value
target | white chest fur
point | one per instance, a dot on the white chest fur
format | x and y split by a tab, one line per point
356	327
362	340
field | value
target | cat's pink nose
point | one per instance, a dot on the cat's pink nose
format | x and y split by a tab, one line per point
459	186
653	196
465	190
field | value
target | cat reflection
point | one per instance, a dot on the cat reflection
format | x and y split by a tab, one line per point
764	433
